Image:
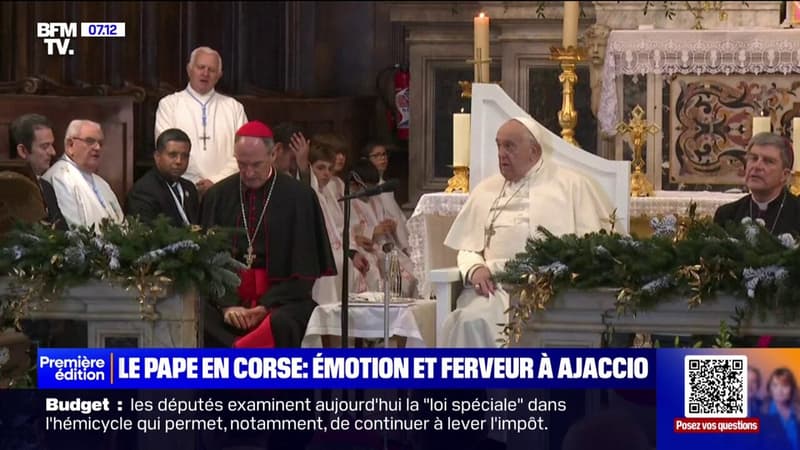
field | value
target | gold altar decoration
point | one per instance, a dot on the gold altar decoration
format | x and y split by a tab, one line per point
794	187
466	89
460	180
638	128
568	116
699	8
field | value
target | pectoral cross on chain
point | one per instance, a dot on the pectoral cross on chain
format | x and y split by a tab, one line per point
490	232
251	257
204	138
204	109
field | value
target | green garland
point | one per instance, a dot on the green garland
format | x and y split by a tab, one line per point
694	259
43	262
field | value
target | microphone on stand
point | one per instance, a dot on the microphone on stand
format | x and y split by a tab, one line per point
346	261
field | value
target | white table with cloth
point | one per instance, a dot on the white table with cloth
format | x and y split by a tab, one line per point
411	319
435	212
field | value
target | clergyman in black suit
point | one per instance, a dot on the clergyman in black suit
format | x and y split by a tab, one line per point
33	138
162	190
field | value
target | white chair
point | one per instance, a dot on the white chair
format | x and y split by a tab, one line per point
491	107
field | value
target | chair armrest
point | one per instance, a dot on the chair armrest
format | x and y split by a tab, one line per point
446	275
446	284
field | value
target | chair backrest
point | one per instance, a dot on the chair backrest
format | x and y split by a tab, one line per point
491	107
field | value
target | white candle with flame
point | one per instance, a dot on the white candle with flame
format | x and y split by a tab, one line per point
481	48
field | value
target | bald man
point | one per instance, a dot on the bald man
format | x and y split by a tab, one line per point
530	191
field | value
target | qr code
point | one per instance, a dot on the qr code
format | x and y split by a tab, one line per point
715	386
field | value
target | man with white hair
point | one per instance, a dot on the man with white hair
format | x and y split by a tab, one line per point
531	190
208	117
85	199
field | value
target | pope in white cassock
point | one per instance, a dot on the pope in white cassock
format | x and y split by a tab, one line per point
531	190
208	117
84	197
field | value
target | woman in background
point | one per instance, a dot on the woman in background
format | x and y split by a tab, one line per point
386	208
780	428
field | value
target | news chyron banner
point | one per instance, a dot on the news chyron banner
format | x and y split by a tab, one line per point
415	398
539	398
341	369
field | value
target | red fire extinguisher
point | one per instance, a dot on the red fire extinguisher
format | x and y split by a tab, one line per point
392	84
402	81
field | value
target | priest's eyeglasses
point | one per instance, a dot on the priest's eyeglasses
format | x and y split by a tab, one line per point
91	142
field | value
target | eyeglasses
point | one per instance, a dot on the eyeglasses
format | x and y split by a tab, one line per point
378	156
91	142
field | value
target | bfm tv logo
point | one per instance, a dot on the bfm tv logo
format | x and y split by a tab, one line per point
58	35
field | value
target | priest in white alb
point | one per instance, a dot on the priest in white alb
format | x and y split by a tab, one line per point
208	117
531	190
85	198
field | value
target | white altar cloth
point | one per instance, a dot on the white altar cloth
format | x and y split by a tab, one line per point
677	202
413	320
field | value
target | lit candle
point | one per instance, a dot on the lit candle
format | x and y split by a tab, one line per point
796	143
481	48
572	11
461	140
761	124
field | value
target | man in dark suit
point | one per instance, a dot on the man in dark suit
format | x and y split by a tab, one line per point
162	190
33	138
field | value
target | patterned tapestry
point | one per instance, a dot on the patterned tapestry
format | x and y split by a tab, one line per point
711	122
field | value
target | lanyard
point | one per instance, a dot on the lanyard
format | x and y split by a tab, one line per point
178	201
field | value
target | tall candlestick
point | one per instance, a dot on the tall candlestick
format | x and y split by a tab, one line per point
461	133
572	11
762	125
481	48
796	143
